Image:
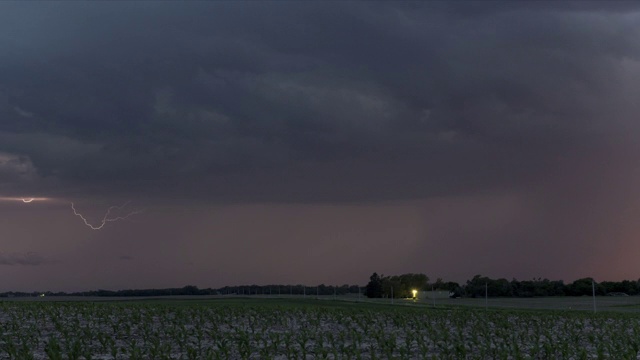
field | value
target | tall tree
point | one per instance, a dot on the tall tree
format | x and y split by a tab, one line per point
374	287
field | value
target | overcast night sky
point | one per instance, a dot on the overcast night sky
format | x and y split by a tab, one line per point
317	142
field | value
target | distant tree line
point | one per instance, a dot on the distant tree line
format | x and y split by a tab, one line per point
478	286
401	286
383	286
395	286
321	289
546	287
186	290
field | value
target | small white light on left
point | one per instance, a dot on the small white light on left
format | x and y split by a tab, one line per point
25	200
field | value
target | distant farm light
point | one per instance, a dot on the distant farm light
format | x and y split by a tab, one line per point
415	293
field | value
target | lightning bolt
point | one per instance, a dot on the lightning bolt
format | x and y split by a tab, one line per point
25	200
106	218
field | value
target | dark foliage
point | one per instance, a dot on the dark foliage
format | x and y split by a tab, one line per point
374	287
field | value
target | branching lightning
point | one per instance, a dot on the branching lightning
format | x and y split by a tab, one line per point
114	213
107	216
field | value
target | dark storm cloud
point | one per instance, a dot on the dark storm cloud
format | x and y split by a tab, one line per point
23	259
311	101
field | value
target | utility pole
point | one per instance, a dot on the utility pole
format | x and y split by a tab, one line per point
486	295
433	296
593	288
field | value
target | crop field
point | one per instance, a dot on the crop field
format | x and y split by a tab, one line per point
565	303
306	329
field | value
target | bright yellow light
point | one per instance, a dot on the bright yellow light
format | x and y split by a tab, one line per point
415	293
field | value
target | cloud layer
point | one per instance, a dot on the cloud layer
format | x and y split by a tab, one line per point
23	259
392	100
478	110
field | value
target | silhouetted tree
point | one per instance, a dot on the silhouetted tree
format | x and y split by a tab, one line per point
374	287
583	287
